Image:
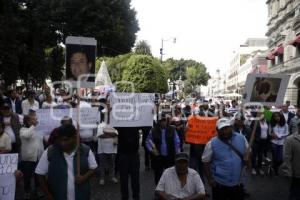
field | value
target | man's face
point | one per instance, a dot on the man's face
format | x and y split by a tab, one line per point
225	132
67	143
181	167
13	94
79	65
284	108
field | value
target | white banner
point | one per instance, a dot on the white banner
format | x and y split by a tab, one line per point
8	166
50	118
131	109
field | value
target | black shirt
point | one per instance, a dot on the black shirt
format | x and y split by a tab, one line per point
128	140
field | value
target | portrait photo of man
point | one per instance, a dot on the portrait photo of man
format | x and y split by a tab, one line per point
80	60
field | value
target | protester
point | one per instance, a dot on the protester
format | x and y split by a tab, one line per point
5	142
30	103
58	162
48	103
12	127
31	151
13	101
107	150
180	182
129	161
279	131
260	144
147	157
163	143
292	163
180	128
53	138
293	127
223	160
287	114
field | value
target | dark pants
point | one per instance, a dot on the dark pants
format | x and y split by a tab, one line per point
159	164
130	166
258	150
222	192
294	189
147	157
28	168
277	154
196	151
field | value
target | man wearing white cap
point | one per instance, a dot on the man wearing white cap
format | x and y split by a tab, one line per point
223	159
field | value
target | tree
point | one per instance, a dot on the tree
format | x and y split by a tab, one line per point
143	48
146	73
196	76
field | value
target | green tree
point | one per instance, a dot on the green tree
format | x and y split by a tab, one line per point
143	48
196	76
146	73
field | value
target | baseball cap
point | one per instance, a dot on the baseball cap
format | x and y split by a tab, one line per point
223	122
181	156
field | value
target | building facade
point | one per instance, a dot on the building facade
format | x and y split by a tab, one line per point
241	63
284	44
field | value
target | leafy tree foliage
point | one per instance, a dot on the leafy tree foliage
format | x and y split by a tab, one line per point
143	48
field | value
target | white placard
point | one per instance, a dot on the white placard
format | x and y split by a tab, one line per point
50	118
8	163
7	187
267	89
131	109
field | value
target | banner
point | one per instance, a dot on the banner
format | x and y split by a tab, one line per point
131	109
201	129
8	166
50	118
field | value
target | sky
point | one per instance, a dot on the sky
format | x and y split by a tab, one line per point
206	31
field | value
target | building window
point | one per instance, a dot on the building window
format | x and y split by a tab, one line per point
280	58
272	62
298	50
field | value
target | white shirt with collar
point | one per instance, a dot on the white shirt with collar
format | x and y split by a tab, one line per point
26	106
42	169
170	184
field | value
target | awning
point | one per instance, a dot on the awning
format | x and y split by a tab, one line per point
279	51
295	41
270	56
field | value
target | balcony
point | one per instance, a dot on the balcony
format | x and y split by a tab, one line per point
287	67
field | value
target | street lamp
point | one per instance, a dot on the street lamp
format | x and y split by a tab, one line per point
162	46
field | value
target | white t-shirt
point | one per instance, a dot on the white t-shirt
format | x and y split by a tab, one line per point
42	169
264	130
170	184
105	145
281	132
49	105
26	106
5	143
8	129
86	134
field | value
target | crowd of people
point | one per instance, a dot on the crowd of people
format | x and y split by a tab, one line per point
61	168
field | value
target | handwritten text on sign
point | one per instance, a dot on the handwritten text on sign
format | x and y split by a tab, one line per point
201	129
8	163
131	109
7	187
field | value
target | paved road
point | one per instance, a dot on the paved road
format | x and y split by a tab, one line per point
259	187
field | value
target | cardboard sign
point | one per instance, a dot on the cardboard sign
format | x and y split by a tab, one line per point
131	109
8	163
267	89
201	129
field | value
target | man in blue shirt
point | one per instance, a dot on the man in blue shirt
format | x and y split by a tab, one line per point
163	143
223	162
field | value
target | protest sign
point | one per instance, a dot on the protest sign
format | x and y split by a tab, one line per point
8	166
200	129
131	109
7	187
50	118
267	89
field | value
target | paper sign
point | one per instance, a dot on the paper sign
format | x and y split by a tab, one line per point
7	187
50	118
131	109
201	129
8	163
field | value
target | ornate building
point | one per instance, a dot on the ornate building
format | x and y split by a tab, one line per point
284	43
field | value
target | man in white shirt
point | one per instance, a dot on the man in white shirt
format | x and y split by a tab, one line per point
29	103
64	183
180	182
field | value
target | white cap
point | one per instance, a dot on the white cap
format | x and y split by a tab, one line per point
223	122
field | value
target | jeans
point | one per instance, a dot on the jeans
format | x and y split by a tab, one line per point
277	154
130	166
258	149
27	168
196	151
107	162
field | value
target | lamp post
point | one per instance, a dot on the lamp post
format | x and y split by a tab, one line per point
162	46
